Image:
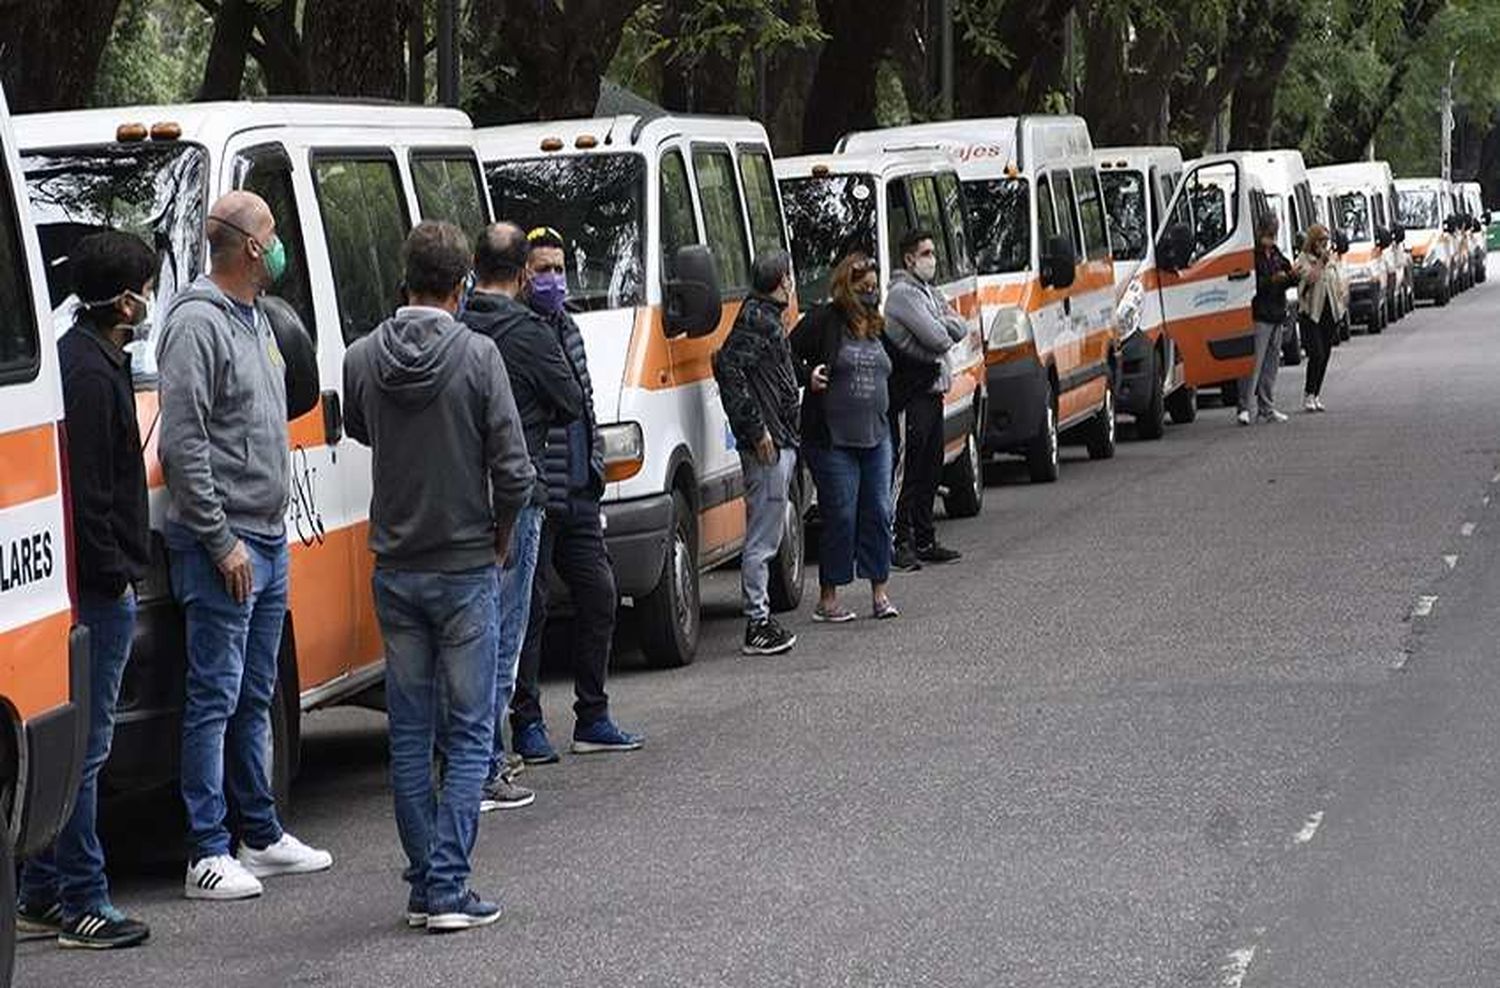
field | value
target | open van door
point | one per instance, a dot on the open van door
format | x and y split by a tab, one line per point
1205	258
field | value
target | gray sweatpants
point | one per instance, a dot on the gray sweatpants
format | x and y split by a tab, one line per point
1258	387
766	487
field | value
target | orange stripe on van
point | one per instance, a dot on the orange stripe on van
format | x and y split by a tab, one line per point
1227	264
656	363
28	465
34	664
307	430
722	525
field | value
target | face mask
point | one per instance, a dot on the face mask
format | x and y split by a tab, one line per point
925	268
869	300
549	291
275	260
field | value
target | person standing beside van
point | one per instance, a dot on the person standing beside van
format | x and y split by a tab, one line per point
572	541
758	387
546	393
64	890
846	436
224	454
1321	303
920	328
1273	276
451	473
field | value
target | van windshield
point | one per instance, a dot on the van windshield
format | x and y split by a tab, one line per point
1129	227
597	203
828	216
156	191
1418	209
999	224
1351	214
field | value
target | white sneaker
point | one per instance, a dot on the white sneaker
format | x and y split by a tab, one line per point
1321	406
288	856
220	877
1310	403
1273	416
1243	418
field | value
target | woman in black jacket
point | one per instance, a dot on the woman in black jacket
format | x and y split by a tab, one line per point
846	437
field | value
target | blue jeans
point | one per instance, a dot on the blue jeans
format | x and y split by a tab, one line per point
71	871
231	678
515	611
854	505
441	632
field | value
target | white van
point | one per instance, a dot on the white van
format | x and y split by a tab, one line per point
1425	208
1046	280
1363	205
44	655
1478	221
870	201
662	218
1138	183
1283	176
345	183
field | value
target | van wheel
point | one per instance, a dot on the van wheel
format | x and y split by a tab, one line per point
7	909
1182	405
1291	344
787	572
1153	424
669	614
1444	294
1229	394
284	743
1100	434
965	477
1042	452
1344	330
1377	321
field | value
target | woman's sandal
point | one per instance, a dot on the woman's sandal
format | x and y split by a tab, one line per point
839	615
885	610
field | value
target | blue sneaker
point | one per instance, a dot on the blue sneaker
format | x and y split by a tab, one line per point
468	913
530	742
603	735
416	910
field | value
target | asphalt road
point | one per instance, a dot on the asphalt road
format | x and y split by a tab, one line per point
1170	722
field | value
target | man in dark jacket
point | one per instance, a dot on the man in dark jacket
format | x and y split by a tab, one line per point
1273	276
758	386
547	393
450	474
572	541
64	890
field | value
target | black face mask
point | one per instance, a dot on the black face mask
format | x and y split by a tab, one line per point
870	300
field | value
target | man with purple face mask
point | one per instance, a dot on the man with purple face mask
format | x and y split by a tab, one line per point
572	541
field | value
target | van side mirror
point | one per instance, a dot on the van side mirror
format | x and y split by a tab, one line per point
300	354
693	303
1340	242
1398	233
1174	251
1058	264
1485	218
1382	237
1299	240
1448	225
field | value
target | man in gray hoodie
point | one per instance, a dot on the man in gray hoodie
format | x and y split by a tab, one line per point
451	472
224	453
920	328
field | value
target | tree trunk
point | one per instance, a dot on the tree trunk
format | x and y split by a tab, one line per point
355	48
1034	32
1254	109
1111	119
224	71
705	82
50	51
842	97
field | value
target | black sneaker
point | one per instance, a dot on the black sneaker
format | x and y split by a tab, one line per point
938	553
905	559
503	794
105	928
34	920
767	638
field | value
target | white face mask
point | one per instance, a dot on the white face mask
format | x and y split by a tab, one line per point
925	268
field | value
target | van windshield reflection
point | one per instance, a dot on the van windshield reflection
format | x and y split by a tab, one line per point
1125	200
1418	209
999	224
829	216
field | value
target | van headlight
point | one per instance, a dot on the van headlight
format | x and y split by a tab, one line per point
1011	327
624	450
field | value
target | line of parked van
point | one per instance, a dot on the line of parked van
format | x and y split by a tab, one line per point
1097	283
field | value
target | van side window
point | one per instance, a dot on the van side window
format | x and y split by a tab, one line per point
365	221
723	220
1046	213
1212	199
958	234
267	171
929	217
1380	218
759	180
1091	212
448	188
679	227
1067	211
20	352
898	220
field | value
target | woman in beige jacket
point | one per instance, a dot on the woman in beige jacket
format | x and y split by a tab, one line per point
1322	300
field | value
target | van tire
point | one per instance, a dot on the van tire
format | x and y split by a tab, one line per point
1182	405
1043	452
7	908
1153	424
669	617
1444	294
964	477
1291	344
285	741
1229	394
1377	321
1101	433
788	570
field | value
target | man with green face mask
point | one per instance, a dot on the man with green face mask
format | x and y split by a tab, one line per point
224	454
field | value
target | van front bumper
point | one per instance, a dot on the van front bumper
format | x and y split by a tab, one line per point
55	743
1137	375
1364	300
1429	279
637	533
1017	400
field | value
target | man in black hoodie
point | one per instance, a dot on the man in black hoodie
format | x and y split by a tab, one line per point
547	393
450	473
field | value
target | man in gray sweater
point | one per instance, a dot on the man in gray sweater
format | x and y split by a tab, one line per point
433	401
920	328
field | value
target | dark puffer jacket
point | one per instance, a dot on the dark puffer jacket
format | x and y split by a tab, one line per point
756	377
559	488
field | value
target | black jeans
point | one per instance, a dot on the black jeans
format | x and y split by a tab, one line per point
573	542
1318	339
922	446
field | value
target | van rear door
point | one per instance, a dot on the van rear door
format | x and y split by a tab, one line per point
1206	302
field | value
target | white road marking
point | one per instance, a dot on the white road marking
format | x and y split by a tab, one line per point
1310	828
1450	561
1495	479
1467	529
1234	971
1424	605
1485	499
